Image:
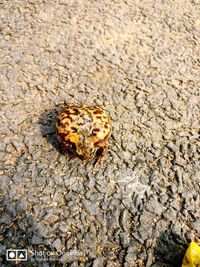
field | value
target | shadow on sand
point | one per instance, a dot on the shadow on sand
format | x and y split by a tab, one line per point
47	127
170	249
47	124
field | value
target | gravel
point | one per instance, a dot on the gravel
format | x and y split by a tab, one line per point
141	207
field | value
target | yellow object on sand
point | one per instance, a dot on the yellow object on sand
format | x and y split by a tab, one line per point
192	256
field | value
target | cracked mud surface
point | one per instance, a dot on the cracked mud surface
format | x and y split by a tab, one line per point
140	61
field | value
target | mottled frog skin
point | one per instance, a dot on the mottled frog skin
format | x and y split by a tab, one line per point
84	131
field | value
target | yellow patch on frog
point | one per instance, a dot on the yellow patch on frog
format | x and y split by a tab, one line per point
72	138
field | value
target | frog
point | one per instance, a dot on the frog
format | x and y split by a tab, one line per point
84	131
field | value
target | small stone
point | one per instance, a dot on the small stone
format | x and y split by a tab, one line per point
193	99
125	240
124	219
6	219
23	205
90	207
57	244
64	228
163	199
2	249
112	218
155	207
36	240
172	146
195	225
51	218
146	217
71	256
11	210
98	262
173	188
145	230
170	214
179	174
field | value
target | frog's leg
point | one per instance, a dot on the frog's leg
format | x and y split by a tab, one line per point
101	152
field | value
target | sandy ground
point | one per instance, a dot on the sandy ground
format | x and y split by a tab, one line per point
140	61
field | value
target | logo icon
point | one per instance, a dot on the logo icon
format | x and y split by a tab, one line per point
16	255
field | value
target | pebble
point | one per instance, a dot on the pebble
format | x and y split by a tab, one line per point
98	262
11	210
125	240
170	214
5	219
172	146
70	256
90	207
57	244
22	205
51	218
124	219
2	250
36	240
195	225
155	207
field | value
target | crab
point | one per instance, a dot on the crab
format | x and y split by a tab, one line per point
84	131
